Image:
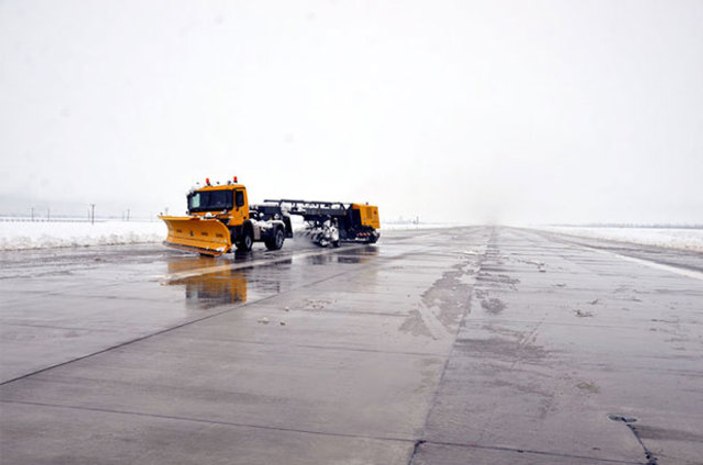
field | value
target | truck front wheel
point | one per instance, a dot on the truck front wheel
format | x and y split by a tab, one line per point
246	241
276	242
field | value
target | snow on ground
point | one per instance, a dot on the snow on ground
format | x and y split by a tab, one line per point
20	235
673	238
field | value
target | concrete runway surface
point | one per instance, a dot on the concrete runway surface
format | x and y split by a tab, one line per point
476	345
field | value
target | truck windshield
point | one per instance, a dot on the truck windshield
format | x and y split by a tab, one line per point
210	201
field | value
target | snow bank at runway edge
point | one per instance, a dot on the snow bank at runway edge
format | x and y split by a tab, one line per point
681	239
22	235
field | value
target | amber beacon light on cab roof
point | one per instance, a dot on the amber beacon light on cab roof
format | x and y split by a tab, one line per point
219	219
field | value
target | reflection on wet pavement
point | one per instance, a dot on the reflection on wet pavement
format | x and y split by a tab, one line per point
208	289
216	289
210	282
360	254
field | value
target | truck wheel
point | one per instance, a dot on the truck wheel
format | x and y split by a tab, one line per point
335	244
276	242
245	242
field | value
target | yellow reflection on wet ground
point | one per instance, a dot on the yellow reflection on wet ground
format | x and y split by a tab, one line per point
222	286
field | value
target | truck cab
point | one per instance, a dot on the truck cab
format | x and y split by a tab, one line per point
219	217
227	202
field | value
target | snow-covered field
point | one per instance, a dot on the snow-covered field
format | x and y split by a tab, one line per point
682	239
19	235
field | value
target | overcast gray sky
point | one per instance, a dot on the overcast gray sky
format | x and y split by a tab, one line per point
506	111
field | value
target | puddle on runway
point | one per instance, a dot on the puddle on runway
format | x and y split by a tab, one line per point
208	290
224	286
353	256
210	282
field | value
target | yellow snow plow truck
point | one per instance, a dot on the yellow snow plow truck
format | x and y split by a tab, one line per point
219	217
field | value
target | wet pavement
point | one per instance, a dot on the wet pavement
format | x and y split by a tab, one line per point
475	345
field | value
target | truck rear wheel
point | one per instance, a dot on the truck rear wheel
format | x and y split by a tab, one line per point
276	242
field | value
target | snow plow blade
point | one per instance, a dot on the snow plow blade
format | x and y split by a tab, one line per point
195	234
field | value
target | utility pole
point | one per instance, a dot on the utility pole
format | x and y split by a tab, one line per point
128	214
48	214
92	213
32	213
